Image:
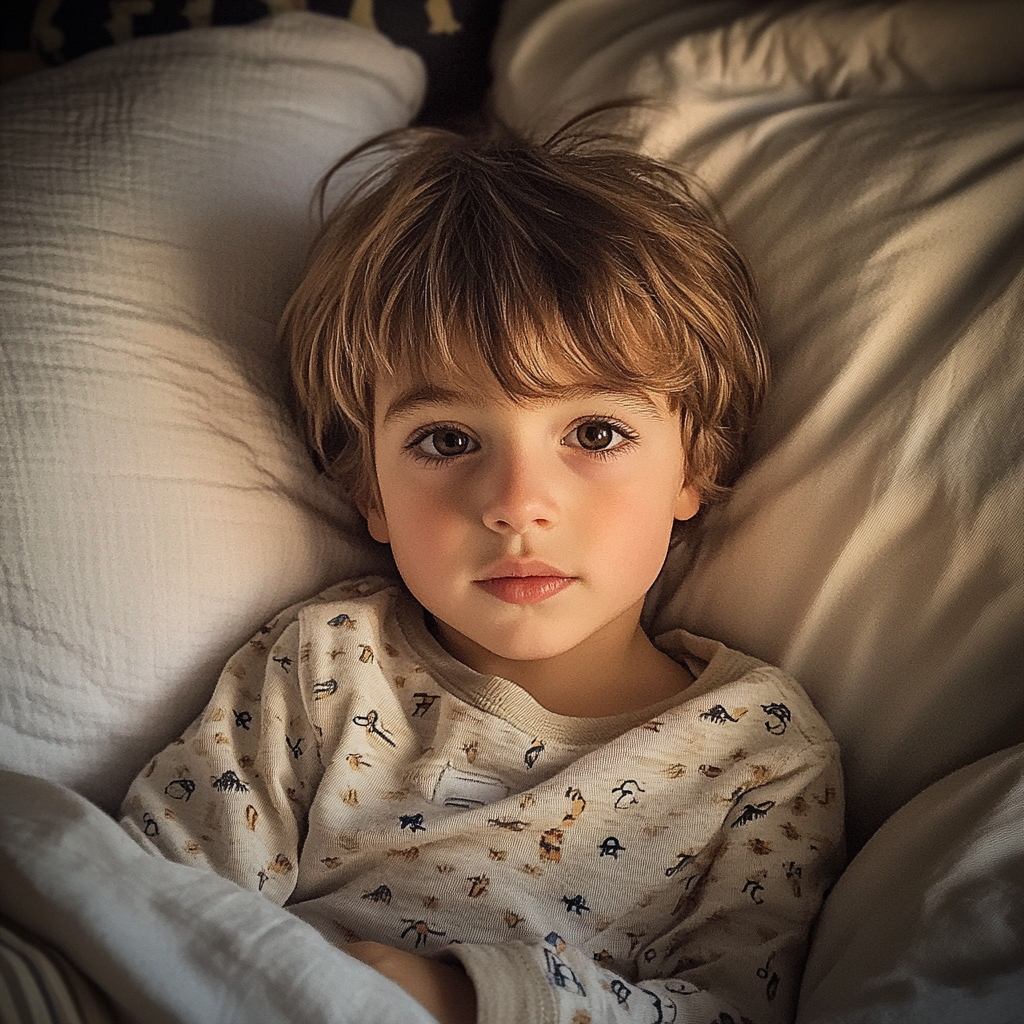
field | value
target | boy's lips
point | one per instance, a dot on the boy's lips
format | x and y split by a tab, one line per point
520	568
524	582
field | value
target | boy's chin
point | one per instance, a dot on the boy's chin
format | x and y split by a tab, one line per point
481	651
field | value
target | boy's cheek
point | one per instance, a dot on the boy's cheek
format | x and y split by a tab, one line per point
427	550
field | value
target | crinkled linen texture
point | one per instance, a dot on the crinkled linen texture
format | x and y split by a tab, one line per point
154	217
349	767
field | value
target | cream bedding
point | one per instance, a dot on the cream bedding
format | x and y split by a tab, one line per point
156	504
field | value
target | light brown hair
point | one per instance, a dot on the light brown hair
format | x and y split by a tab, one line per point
567	260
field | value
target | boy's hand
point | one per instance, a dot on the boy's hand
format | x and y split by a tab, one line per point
444	990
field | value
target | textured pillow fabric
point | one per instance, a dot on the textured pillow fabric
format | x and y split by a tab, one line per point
927	924
156	499
867	157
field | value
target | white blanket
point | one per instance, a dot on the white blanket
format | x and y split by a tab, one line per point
171	944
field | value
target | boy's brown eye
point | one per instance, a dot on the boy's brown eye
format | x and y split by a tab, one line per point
595	436
446	443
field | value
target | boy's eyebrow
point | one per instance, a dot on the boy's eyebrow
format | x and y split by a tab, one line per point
435	394
637	401
428	394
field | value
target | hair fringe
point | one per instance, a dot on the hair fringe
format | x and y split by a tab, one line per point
573	258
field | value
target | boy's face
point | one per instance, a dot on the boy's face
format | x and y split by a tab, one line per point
525	528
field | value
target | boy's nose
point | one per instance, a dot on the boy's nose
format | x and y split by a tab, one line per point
519	496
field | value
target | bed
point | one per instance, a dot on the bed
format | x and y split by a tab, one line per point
156	503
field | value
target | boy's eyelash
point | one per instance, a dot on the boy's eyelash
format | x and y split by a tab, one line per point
629	438
623	428
413	444
433	428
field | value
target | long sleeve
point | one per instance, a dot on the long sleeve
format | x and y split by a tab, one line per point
729	947
232	794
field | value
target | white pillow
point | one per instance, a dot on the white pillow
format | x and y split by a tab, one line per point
155	501
926	926
867	158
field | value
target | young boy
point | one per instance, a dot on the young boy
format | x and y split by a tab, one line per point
526	362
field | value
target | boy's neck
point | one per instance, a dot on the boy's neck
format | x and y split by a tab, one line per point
616	671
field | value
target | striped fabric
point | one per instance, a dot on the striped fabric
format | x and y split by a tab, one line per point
39	986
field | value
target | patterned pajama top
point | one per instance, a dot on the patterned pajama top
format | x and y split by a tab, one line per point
662	865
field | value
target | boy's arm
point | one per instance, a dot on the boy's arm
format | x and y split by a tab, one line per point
231	795
735	947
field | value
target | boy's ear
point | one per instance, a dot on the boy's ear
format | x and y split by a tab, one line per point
375	521
688	502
